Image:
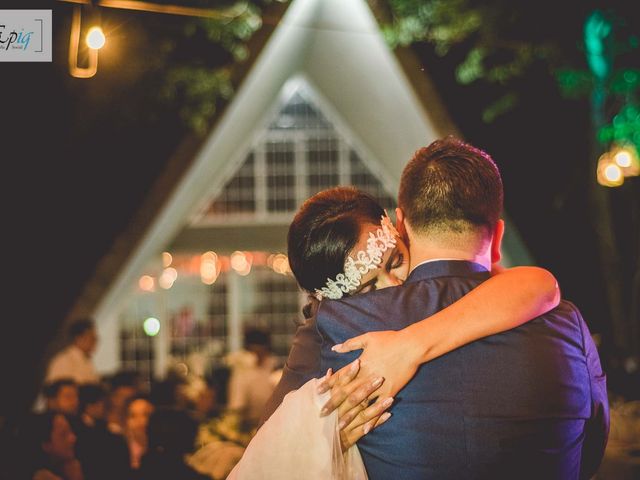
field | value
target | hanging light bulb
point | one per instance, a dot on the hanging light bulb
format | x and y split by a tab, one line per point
609	174
95	38
626	157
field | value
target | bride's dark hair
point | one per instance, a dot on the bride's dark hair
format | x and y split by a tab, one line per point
325	230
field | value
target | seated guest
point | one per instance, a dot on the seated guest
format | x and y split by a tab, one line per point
205	403
171	434
92	404
47	449
62	396
138	411
104	455
123	386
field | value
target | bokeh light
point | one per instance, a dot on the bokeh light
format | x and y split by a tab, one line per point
147	283
209	268
169	275
241	262
281	264
612	172
609	174
151	326
623	158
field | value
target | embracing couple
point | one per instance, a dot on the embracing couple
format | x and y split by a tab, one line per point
458	370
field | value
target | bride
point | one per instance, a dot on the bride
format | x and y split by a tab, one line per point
312	434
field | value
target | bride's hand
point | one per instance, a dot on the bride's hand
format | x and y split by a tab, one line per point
351	399
393	355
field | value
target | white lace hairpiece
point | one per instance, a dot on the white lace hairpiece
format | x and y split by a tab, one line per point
354	268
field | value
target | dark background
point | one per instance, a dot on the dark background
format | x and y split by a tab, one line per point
77	162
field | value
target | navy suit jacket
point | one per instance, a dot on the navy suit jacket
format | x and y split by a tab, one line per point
527	403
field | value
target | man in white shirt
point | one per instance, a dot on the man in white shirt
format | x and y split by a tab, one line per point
74	362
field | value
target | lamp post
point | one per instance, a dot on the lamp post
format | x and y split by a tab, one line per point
598	41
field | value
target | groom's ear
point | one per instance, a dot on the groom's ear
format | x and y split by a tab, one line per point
496	241
400	226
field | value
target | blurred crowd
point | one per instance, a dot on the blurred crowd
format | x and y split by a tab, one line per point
125	427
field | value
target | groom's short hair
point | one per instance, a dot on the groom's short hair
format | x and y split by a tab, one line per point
451	186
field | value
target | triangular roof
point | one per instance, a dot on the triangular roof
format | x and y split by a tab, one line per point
384	97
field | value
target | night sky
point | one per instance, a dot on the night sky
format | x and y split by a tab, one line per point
76	168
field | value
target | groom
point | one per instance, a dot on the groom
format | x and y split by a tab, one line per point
528	403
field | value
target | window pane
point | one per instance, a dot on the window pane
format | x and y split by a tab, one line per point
322	155
238	195
362	178
281	193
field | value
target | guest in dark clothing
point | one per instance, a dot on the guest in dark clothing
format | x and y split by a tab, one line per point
205	405
138	411
171	435
62	396
103	454
123	385
45	449
92	403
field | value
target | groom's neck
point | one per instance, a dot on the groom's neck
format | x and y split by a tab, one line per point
423	248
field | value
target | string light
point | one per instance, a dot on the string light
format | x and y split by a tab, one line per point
209	268
147	283
241	262
168	277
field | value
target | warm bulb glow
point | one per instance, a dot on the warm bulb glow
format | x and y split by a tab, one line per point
147	283
167	258
209	268
241	262
95	38
151	326
281	264
169	275
623	158
609	174
612	173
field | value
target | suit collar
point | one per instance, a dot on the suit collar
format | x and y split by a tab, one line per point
447	268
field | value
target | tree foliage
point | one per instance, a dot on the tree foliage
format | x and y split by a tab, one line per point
501	42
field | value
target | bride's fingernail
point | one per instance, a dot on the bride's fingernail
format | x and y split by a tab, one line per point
336	347
341	424
387	402
366	429
377	382
324	411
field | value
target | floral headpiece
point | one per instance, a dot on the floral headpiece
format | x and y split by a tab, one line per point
385	238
